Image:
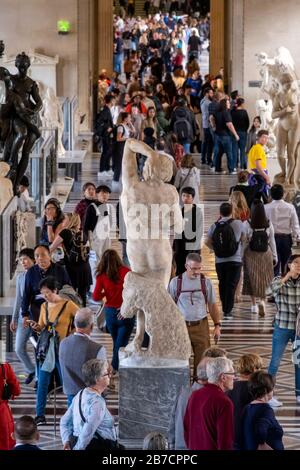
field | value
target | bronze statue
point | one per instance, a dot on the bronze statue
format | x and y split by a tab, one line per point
18	116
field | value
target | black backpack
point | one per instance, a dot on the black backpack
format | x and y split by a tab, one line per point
259	241
223	240
115	131
183	129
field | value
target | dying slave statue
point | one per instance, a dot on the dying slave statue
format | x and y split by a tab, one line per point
18	118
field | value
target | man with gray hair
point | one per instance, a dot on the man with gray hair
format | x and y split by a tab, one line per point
195	296
176	432
76	350
208	421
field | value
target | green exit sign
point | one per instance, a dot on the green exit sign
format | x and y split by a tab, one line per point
63	26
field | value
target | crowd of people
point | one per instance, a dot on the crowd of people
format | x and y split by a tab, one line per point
157	95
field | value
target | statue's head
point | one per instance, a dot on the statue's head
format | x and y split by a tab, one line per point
4	169
287	81
161	168
262	58
22	63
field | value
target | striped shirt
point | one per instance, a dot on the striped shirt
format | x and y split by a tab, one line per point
287	298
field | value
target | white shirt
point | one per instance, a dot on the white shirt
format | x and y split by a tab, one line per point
283	217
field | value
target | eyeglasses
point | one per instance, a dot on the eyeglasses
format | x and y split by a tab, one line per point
193	269
234	374
106	375
50	208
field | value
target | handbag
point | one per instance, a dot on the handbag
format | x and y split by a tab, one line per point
100	320
47	333
6	393
98	442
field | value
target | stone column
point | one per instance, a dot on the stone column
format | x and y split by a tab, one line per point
237	46
217	36
84	63
105	35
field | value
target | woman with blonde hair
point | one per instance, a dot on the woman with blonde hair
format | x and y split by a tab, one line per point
188	175
240	209
76	255
240	395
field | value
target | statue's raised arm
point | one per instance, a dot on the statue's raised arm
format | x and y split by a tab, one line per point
129	165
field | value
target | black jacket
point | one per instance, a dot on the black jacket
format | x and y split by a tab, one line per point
26	447
103	122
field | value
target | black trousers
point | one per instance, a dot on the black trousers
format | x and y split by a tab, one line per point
106	154
229	276
118	149
284	250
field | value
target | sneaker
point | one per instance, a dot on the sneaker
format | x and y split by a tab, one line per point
254	309
227	316
274	403
298	400
110	173
29	378
35	385
103	174
40	420
91	301
261	309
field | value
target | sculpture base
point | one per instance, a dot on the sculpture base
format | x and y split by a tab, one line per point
148	389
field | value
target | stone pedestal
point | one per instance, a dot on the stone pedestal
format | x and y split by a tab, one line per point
147	392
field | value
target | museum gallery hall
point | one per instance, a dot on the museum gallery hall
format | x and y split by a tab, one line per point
149	226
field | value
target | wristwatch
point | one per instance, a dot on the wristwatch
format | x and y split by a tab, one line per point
218	324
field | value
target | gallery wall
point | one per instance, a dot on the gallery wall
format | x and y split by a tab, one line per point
32	24
267	26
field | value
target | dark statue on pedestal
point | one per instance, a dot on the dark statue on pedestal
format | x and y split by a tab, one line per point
18	118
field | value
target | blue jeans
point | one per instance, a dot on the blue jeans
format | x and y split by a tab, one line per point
70	399
187	148
118	59
239	146
223	141
281	337
120	331
43	385
22	336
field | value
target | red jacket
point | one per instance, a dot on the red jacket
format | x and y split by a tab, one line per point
6	417
208	421
111	290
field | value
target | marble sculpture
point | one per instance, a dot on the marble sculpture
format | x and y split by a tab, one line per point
52	116
280	82
264	109
158	315
151	211
6	187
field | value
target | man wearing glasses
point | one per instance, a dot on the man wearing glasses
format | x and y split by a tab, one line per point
208	421
194	295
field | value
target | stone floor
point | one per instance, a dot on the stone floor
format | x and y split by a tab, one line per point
244	333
